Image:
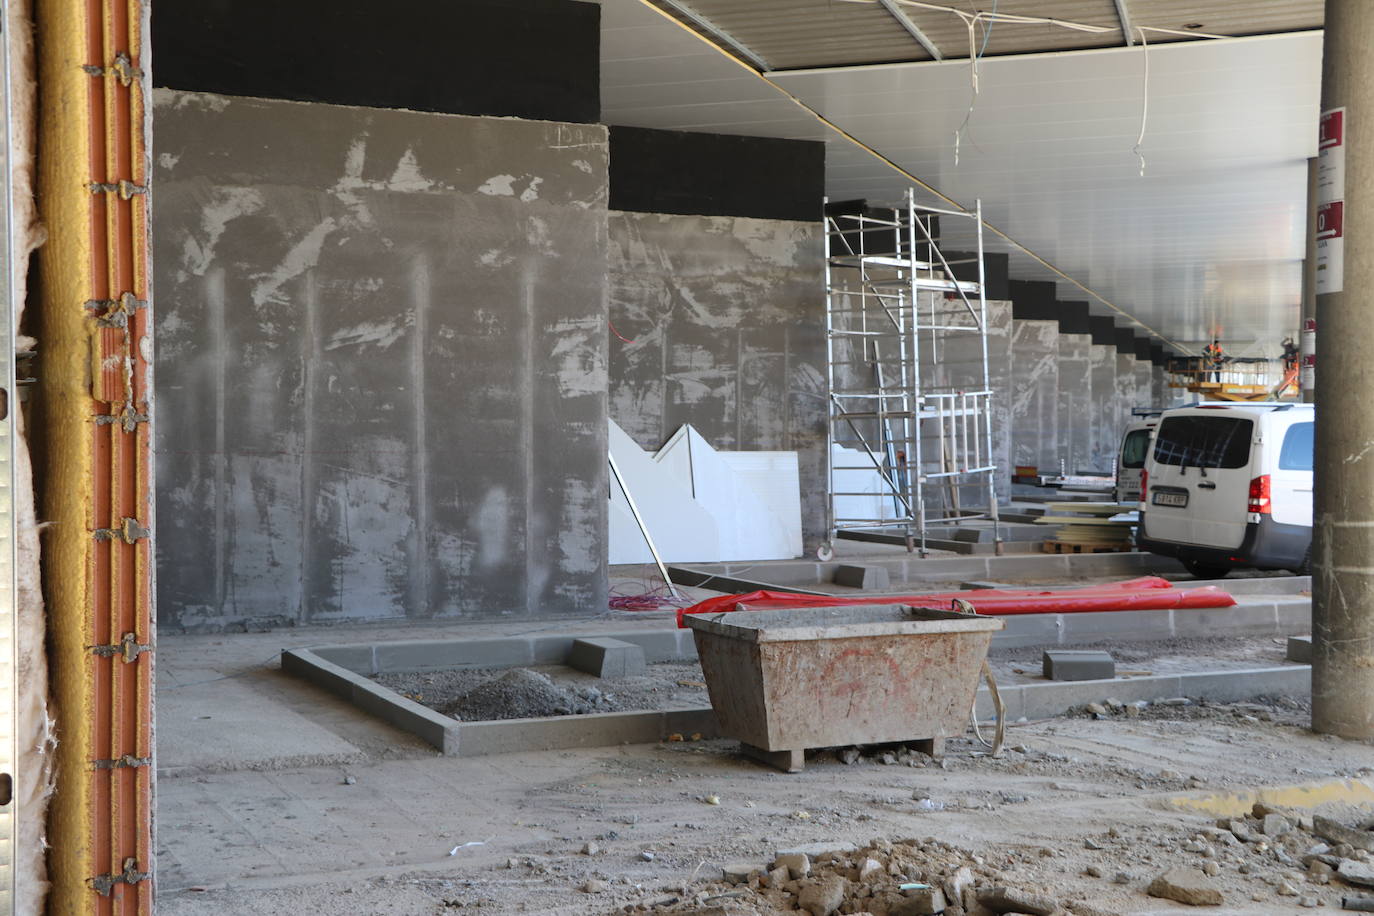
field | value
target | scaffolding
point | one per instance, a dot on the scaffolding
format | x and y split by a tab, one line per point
910	418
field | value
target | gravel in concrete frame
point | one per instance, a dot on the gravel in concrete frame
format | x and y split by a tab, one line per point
474	695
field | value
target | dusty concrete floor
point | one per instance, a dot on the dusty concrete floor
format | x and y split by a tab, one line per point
275	797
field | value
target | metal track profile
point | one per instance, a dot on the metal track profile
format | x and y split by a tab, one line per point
910	418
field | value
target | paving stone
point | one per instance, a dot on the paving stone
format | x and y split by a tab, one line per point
1078	665
869	577
1185	885
606	657
1300	649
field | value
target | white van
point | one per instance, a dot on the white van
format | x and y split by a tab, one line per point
1130	461
1230	485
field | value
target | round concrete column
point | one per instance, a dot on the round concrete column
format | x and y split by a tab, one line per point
1343	546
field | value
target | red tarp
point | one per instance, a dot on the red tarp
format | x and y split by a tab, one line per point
1149	593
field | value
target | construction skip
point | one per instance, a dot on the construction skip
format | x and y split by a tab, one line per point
783	681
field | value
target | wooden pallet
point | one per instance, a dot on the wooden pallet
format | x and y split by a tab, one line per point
1052	546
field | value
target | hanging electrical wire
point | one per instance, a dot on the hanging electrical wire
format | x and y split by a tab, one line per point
1144	101
973	20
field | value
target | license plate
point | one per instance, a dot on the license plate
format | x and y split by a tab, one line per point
1169	499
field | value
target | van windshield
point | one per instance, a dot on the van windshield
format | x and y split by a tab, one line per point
1204	442
1135	448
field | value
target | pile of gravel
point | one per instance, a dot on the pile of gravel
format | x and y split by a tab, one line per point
522	694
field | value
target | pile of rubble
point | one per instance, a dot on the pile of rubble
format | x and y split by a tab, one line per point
906	877
1275	855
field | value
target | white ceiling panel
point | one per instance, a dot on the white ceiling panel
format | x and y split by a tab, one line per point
1209	238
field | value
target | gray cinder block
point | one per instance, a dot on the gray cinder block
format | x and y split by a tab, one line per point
874	577
1078	665
606	657
1300	649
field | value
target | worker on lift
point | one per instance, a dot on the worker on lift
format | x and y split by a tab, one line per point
1290	355
1214	358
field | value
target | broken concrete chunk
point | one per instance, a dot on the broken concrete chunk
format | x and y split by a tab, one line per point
798	864
1011	900
1275	825
1185	885
822	898
921	901
871	870
1300	649
1241	830
1334	832
955	884
741	872
1355	872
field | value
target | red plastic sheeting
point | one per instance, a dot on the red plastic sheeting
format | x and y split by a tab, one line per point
1149	593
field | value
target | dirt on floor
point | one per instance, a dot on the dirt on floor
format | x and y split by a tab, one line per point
1080	816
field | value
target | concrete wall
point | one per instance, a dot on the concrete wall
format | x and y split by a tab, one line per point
381	363
726	322
1075	401
1035	394
1106	432
955	363
1125	390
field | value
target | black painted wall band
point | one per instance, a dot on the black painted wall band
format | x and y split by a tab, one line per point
1103	330
672	171
520	58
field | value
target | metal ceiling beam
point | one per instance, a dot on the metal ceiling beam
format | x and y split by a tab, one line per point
717	34
1124	14
915	31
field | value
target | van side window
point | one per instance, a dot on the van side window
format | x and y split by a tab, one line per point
1296	454
1206	442
1135	448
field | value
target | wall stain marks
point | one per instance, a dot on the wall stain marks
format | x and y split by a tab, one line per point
726	315
412	373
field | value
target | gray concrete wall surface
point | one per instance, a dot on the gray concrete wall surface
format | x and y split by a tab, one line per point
1144	383
1126	396
1106	432
725	318
1035	394
953	362
1075	401
381	364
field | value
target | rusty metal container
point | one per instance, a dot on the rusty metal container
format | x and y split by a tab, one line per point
783	681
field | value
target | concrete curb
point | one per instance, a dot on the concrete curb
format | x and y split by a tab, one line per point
344	670
1044	701
388	705
454	738
803	575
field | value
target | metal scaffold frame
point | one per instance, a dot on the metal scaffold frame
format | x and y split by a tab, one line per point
918	417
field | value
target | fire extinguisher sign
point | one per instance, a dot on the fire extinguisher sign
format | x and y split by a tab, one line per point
1331	202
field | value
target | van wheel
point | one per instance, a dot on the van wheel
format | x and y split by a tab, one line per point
1306	568
1203	571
